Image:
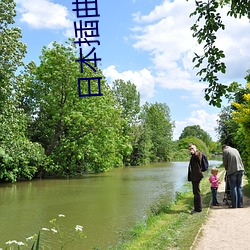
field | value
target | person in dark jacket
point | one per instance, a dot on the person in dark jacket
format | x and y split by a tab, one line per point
195	175
235	169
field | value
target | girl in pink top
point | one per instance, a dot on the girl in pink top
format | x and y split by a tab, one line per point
214	186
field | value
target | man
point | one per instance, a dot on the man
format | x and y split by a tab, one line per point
235	170
195	175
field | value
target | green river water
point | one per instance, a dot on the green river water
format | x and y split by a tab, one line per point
104	204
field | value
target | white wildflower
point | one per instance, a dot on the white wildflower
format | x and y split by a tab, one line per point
10	242
78	228
54	230
61	215
20	243
29	238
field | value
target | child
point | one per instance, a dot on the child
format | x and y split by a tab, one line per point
214	185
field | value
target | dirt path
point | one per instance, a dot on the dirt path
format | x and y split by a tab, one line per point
225	228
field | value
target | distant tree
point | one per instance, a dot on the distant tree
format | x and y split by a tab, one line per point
196	131
128	101
128	98
183	144
210	63
227	127
157	121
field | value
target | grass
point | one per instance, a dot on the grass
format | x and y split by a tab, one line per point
170	226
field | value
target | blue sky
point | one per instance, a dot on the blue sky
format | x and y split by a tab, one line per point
148	42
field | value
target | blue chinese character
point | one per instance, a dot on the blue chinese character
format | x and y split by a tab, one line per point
84	60
86	8
89	31
89	86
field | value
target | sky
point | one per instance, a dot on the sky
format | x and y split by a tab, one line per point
146	42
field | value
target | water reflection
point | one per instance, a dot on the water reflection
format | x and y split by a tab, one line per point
105	204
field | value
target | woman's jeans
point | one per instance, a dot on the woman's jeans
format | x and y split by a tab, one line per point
214	196
235	182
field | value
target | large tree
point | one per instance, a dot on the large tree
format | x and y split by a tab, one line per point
205	29
78	133
19	157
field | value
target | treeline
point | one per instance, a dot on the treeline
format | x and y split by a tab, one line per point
46	130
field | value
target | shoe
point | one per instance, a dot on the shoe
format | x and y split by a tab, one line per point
217	204
194	212
231	207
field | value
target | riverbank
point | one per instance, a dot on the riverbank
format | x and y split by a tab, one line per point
226	228
175	228
172	227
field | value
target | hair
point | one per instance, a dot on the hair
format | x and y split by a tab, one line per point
214	170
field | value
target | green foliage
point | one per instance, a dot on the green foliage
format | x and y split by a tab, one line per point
201	146
205	28
128	101
196	131
128	98
157	122
78	134
20	158
227	127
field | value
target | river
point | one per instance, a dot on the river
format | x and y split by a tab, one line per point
104	204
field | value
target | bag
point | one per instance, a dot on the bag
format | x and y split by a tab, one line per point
204	163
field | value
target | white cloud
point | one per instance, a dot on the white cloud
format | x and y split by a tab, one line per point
143	79
208	122
165	33
44	14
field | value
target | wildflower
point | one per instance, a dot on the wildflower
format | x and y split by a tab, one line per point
61	215
20	243
45	229
54	230
29	238
78	228
10	242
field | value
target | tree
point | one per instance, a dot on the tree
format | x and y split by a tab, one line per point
183	144
227	127
12	50
20	158
208	23
242	116
128	100
196	131
78	134
157	121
